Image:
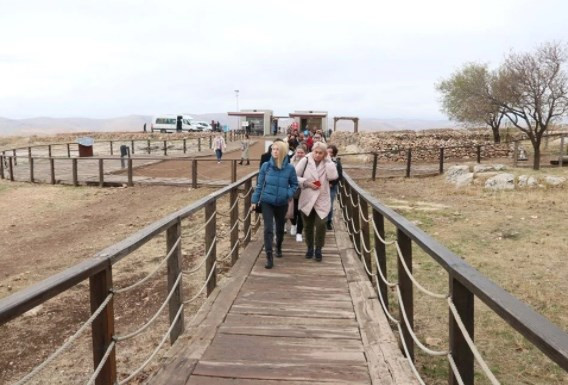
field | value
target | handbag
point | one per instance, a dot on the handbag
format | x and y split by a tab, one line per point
299	190
258	207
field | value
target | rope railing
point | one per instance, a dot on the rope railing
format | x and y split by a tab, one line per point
67	343
99	367
349	223
151	274
154	317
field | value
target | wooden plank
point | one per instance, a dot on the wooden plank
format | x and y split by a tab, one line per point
174	269
202	330
356	375
205	380
211	245
293	310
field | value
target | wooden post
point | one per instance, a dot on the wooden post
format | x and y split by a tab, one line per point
132	146
441	160
405	285
225	136
246	209
130	179
32	170
149	150
349	210
478	150
210	142
233	171
174	270
101	173
52	170
381	251
111	148
375	160
210	233
30	152
11	168
463	300
561	157
165	148
75	173
408	162
366	241
68	151
185	146
194	173
515	153
2	166
233	199
199	144
102	327
356	222
49	150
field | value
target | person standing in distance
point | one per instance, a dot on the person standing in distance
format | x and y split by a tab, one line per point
219	146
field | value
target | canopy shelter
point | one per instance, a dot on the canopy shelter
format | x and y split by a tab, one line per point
310	120
353	118
254	121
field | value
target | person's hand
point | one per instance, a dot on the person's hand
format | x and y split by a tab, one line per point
253	207
313	186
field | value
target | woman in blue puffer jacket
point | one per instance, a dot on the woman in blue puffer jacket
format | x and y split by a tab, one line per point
277	183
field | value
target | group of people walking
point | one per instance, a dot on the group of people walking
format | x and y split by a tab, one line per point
299	185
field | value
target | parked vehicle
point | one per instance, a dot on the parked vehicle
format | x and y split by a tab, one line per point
202	125
173	123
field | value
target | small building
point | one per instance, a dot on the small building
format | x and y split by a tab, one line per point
258	121
310	120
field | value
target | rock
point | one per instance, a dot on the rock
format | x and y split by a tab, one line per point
498	167
527	181
504	181
34	312
464	180
554	180
455	171
483	168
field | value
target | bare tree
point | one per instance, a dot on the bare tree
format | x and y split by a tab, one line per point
466	98
532	90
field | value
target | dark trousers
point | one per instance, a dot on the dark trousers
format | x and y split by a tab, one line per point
314	230
297	220
270	215
219	154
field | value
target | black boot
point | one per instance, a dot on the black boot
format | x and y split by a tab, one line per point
329	226
269	261
318	254
309	253
241	162
279	250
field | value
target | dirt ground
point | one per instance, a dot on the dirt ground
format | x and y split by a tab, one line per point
46	229
515	238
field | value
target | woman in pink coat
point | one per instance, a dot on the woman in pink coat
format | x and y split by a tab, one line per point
315	199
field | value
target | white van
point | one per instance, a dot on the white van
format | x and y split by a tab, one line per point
169	123
202	125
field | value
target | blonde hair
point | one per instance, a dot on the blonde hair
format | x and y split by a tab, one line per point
282	152
319	146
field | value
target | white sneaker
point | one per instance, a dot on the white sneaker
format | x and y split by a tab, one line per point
299	238
293	230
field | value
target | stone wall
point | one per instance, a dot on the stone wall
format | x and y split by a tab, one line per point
425	145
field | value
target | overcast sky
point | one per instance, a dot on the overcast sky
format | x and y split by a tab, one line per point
369	58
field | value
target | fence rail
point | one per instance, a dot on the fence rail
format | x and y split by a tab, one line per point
365	217
99	271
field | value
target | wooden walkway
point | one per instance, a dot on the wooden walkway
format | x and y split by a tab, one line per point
301	322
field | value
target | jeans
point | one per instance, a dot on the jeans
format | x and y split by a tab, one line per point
271	214
314	229
297	220
219	154
333	193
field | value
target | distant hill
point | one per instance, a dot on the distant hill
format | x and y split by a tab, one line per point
48	126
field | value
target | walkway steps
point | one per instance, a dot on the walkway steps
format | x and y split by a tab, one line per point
302	322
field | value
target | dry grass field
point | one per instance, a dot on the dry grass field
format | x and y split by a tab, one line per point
516	238
46	229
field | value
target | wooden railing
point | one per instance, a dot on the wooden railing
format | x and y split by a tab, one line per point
367	223
99	271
